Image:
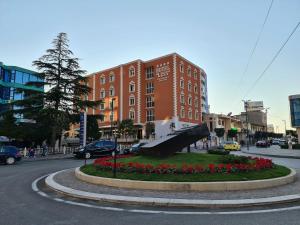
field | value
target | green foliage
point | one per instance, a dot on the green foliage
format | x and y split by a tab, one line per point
126	128
219	132
234	159
218	152
8	126
92	128
232	133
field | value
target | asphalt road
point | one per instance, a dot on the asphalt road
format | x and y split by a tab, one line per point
19	205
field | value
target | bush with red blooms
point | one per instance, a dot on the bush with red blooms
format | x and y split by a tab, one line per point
256	164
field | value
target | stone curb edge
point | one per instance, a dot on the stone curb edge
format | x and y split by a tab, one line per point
275	156
200	203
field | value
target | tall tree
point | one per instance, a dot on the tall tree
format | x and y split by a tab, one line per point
219	132
126	128
67	85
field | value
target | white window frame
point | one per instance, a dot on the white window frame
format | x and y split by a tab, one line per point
149	88
182	83
112	91
130	98
149	72
131	71
196	88
150	117
111	77
189	71
181	67
190	114
195	74
150	102
182	99
190	100
189	86
182	113
131	112
131	84
102	93
102	79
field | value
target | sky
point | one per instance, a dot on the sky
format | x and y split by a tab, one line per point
217	35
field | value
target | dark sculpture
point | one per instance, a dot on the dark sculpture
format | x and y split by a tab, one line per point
176	141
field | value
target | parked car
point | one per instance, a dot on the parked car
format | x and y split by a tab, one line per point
263	144
232	146
136	147
9	154
282	142
275	141
96	149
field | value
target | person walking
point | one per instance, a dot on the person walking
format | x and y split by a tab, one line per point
44	149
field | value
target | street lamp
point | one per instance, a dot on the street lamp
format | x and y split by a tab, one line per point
246	108
114	153
267	118
284	127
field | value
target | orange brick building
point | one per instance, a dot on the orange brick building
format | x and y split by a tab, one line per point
169	91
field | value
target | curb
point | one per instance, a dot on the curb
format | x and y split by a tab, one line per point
199	203
186	186
275	156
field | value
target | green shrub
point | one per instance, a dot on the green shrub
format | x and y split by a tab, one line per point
296	146
226	159
217	152
285	146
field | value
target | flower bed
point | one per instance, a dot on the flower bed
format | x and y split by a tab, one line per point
255	164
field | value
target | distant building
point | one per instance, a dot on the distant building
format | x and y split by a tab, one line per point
11	79
295	113
270	128
169	91
227	122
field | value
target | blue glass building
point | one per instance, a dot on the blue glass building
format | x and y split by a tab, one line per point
295	110
13	78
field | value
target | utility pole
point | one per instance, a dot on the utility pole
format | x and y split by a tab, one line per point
284	127
247	122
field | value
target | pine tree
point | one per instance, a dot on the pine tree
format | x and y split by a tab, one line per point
67	85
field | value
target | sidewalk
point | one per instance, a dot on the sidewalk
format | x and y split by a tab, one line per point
66	182
273	151
48	157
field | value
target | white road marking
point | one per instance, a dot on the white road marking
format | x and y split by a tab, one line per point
36	189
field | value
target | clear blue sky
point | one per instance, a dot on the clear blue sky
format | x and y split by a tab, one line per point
216	35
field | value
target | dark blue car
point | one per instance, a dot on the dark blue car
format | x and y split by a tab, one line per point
9	154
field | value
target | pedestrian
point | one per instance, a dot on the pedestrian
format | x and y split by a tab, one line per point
31	152
44	149
206	145
195	143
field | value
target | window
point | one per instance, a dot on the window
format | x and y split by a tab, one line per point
182	113
102	93
131	86
150	88
131	100
102	79
189	71
150	115
150	101
196	102
111	77
189	86
131	114
131	71
195	74
149	72
111	91
196	88
181	67
190	114
190	100
182	83
196	115
182	98
102	106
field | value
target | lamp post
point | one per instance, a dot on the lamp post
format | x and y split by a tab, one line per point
114	153
284	127
246	108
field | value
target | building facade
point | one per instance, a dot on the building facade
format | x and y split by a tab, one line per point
295	113
169	91
11	79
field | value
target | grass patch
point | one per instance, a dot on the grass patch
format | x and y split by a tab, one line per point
191	158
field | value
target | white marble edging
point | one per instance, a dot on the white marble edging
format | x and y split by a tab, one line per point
166	201
187	186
